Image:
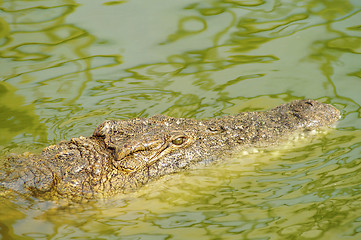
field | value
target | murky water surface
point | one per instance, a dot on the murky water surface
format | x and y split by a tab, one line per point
66	65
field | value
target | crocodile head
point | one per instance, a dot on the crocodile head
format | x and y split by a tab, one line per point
166	144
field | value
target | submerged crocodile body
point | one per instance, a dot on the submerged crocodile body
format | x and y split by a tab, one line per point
123	155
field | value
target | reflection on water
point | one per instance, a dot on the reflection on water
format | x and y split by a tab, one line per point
17	118
67	65
45	57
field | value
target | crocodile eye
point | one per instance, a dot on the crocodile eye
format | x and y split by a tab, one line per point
179	140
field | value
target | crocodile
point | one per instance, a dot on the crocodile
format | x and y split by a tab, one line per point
123	155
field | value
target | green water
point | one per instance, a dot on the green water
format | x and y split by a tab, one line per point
66	65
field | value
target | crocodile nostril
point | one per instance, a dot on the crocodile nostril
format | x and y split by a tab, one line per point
309	102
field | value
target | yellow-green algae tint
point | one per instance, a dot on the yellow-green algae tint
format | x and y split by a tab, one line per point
65	66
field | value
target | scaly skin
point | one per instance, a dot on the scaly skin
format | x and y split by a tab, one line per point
123	155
